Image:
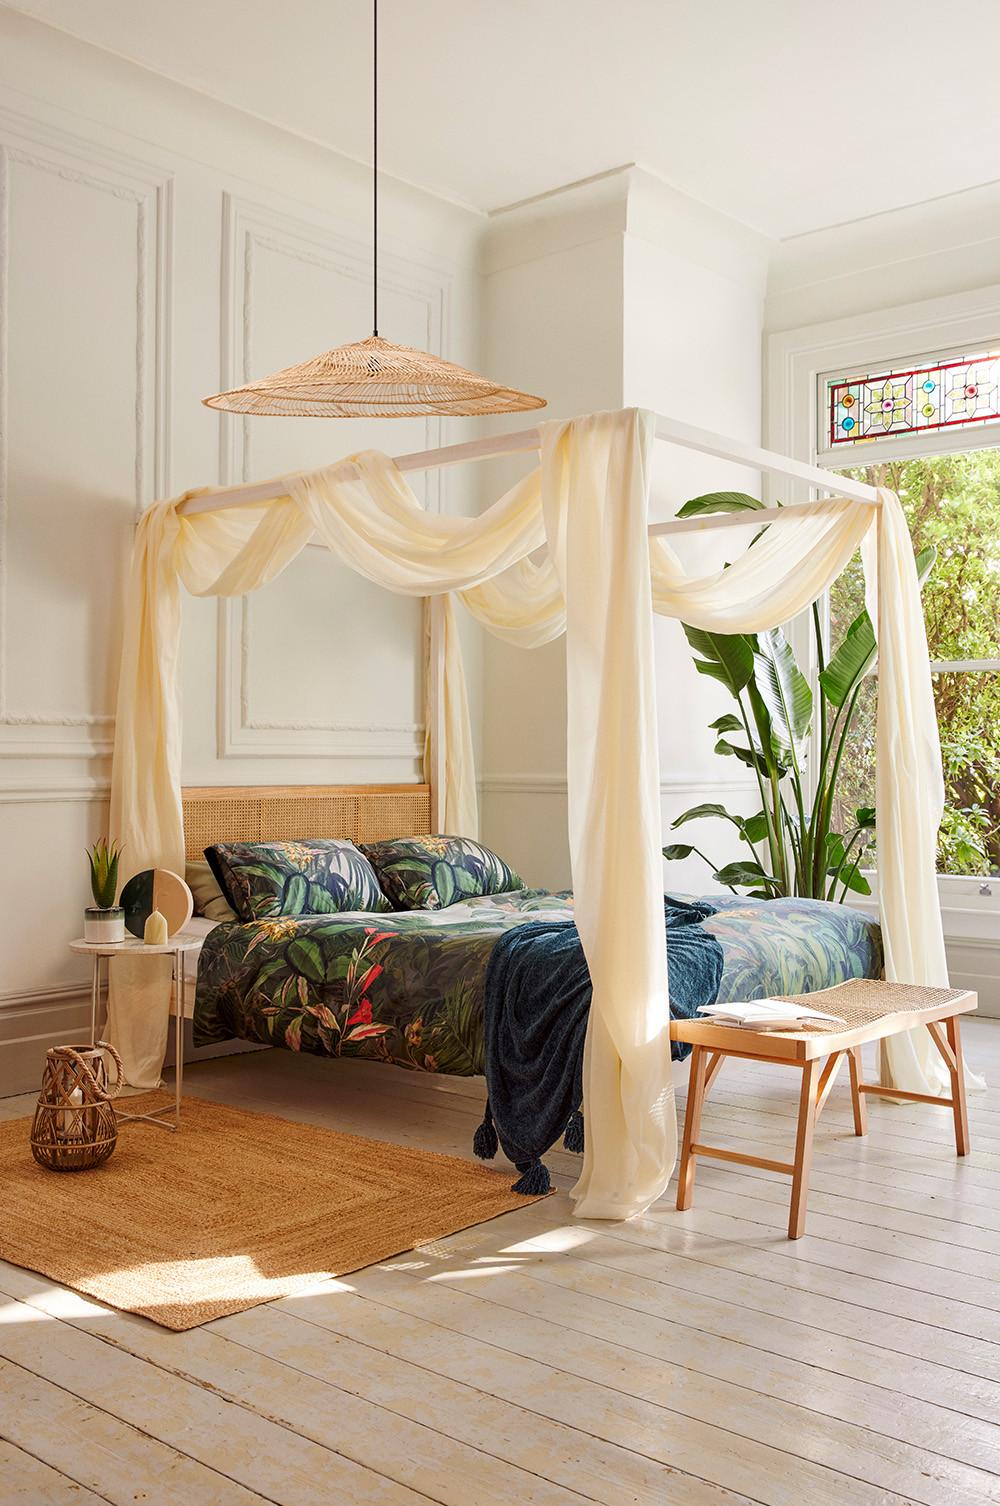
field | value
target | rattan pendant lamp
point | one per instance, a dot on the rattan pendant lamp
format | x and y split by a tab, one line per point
373	378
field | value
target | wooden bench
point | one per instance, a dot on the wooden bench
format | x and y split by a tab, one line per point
873	1010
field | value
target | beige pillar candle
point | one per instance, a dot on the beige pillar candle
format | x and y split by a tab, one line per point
154	932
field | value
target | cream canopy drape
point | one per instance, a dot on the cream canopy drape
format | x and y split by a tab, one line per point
600	579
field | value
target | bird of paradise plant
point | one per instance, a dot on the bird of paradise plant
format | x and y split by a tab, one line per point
794	848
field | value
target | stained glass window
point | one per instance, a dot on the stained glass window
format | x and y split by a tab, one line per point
945	394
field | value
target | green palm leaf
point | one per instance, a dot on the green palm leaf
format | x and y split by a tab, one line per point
852	661
784	690
719	502
725	656
745	872
699	812
858	652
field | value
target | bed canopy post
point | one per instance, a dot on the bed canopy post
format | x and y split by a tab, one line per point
434	701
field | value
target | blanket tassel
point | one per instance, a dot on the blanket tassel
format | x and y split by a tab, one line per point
534	1180
484	1142
573	1134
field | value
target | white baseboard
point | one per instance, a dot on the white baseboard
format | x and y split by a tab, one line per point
31	1023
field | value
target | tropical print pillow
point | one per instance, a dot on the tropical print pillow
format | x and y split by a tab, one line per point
430	873
320	877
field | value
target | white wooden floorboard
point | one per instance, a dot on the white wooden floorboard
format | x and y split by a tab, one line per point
771	1428
27	1481
839	1214
761	1315
909	1121
663	1360
97	1451
413	1459
693	1359
964	1217
244	1445
717	1196
717	1270
541	1420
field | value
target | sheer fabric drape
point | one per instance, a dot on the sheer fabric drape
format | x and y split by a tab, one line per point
600	577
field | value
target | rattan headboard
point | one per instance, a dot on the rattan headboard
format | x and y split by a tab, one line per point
272	813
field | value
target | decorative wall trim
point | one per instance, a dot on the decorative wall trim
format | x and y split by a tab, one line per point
247	228
75	158
85	792
555	784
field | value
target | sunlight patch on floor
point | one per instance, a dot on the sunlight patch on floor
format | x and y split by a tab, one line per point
475	1273
552	1241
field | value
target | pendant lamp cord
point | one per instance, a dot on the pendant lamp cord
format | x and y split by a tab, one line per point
374	167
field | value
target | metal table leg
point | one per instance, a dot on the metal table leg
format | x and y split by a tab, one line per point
153	1117
95	993
180	1008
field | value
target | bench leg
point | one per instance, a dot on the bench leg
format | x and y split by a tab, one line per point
857	1097
803	1149
692	1126
959	1106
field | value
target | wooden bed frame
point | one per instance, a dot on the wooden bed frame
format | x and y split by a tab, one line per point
273	813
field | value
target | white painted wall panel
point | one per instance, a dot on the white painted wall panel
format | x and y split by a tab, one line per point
71	436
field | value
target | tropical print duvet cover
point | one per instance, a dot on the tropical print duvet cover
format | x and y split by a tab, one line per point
407	987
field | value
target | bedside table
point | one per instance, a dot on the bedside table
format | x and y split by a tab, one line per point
175	948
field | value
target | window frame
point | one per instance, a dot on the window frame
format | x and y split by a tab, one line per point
800	361
915	446
946	440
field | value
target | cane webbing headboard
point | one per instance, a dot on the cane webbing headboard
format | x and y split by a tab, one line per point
276	813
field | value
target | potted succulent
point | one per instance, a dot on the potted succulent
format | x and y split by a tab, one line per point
104	921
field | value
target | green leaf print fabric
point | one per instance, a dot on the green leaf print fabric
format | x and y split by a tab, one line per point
404	988
408	987
319	877
431	873
791	946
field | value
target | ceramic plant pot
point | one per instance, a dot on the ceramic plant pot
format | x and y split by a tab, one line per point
104	926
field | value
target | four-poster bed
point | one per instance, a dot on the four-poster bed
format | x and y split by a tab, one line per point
606	567
526	442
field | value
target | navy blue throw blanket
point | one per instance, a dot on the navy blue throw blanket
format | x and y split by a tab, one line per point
535	1006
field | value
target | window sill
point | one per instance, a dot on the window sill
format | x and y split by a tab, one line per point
966	914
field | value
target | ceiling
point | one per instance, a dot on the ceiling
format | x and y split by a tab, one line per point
788	115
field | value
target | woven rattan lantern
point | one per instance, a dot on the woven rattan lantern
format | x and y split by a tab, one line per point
373	378
75	1126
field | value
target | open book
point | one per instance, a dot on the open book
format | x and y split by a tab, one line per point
766	1014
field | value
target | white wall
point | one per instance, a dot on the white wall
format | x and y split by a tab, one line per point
156	247
946	246
694	284
552	324
616	292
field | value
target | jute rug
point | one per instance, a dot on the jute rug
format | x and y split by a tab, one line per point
234	1210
